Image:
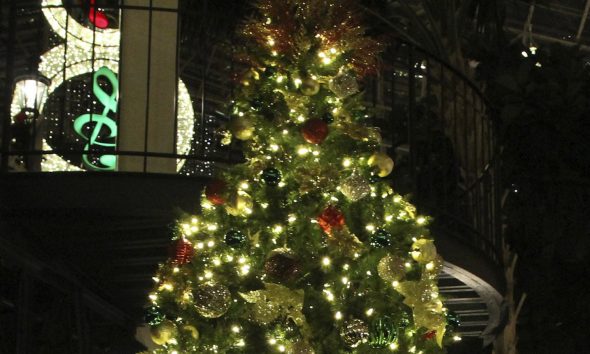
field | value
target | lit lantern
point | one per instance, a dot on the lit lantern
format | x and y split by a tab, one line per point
30	93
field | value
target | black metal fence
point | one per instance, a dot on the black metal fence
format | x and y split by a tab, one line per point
436	122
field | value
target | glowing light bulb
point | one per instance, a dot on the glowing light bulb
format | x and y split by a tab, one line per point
369	312
235	329
326	261
346	162
338	315
421	220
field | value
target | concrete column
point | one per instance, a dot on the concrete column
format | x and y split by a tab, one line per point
148	82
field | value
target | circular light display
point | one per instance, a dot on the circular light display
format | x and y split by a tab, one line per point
88	50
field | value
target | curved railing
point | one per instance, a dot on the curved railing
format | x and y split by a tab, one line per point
435	121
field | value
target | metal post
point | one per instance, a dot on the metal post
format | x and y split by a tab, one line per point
9	85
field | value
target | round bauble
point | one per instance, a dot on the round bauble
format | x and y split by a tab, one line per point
192	331
391	268
271	176
331	218
153	316
183	252
453	320
315	131
302	347
423	251
381	239
212	300
355	187
328	118
241	128
282	265
383	332
235	238
309	86
344	85
382	162
214	191
354	332
163	332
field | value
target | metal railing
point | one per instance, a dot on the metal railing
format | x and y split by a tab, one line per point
435	121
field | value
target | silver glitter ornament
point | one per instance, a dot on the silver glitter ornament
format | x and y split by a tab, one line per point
344	85
354	332
212	300
391	268
355	187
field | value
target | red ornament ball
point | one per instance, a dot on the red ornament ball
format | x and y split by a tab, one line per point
184	252
214	191
331	218
315	131
282	266
429	335
21	117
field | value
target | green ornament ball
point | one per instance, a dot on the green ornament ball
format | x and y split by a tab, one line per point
383	332
328	117
453	321
153	316
381	239
235	238
271	176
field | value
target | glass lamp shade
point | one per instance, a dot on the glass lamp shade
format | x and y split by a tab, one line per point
30	93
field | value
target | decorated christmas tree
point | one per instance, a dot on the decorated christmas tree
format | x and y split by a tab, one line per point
305	247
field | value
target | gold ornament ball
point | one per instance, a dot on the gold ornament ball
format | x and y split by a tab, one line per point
163	332
241	128
382	162
302	347
423	251
391	268
354	332
192	330
212	300
309	86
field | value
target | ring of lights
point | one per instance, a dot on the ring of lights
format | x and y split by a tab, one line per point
86	51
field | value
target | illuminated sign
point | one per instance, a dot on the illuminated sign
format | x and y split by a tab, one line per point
97	122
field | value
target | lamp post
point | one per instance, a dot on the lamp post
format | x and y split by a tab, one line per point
29	95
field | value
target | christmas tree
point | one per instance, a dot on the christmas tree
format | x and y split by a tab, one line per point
305	247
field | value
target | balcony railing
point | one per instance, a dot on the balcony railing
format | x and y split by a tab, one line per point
435	121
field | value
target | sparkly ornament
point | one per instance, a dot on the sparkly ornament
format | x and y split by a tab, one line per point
225	137
214	191
302	347
391	268
282	265
355	187
331	218
240	204
328	117
344	85
309	86
183	252
383	332
354	332
315	131
453	321
234	238
423	251
192	331
163	332
381	239
153	316
382	162
241	128
271	176
212	300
